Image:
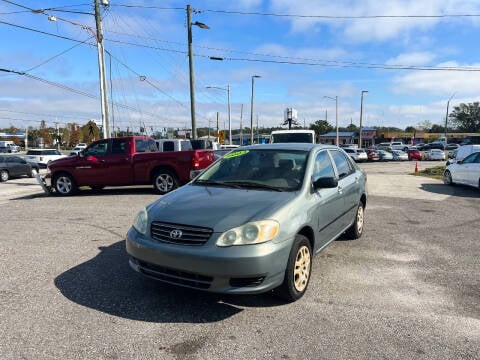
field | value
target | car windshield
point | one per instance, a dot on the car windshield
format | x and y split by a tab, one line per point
262	169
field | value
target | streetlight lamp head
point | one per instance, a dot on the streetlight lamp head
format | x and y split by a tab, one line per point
256	76
201	25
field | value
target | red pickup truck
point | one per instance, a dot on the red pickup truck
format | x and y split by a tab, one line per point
133	160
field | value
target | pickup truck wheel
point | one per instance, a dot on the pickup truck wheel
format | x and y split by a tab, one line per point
4	175
164	181
64	185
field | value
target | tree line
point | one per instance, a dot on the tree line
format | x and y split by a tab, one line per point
463	118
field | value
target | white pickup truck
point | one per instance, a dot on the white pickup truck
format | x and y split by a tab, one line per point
173	145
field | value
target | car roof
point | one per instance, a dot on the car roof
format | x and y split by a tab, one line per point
288	146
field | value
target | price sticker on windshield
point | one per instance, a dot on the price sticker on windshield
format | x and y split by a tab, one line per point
236	154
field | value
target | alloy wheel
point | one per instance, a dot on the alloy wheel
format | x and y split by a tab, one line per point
301	271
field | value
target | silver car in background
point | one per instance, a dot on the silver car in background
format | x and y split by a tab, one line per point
252	221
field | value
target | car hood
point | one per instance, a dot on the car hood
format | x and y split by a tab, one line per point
218	208
65	160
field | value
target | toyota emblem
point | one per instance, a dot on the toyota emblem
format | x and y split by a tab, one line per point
176	234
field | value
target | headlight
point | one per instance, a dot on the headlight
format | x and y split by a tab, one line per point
251	233
141	221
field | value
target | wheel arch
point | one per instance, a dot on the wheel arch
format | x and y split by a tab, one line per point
156	169
55	175
308	232
363	200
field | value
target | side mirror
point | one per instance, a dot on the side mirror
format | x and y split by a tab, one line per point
325	183
460	162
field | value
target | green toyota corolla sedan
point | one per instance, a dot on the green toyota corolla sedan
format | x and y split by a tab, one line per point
252	221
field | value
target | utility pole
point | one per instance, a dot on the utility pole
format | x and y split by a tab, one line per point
58	135
361	114
251	109
26	138
229	118
241	126
101	71
190	65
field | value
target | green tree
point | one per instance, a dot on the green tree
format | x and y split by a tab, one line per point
466	117
410	129
321	127
425	125
437	129
90	132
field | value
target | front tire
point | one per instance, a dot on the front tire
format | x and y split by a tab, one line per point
356	230
447	178
4	176
299	268
65	185
164	181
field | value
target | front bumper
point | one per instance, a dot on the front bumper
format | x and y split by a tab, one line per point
246	269
44	182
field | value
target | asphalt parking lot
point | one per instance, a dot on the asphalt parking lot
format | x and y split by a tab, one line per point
408	289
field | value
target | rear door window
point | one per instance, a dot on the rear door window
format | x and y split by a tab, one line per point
343	165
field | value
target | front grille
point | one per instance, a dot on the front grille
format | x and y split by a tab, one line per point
185	234
175	277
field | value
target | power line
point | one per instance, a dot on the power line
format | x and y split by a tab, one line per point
144	78
327	17
312	62
42	32
60	54
341	17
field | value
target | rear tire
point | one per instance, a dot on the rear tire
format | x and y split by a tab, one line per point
65	185
164	181
4	176
299	269
356	230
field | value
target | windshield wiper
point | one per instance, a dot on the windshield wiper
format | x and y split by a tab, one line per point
216	183
254	185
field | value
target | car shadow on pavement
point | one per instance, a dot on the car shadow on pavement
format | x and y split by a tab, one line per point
107	283
453	190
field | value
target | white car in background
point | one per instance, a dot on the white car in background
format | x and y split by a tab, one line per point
399	155
466	171
43	156
435	154
356	154
78	148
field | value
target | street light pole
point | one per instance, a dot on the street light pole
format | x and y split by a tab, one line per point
361	115
190	64
229	118
251	109
227	89
446	116
336	116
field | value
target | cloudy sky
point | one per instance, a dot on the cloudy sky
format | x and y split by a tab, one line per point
411	57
